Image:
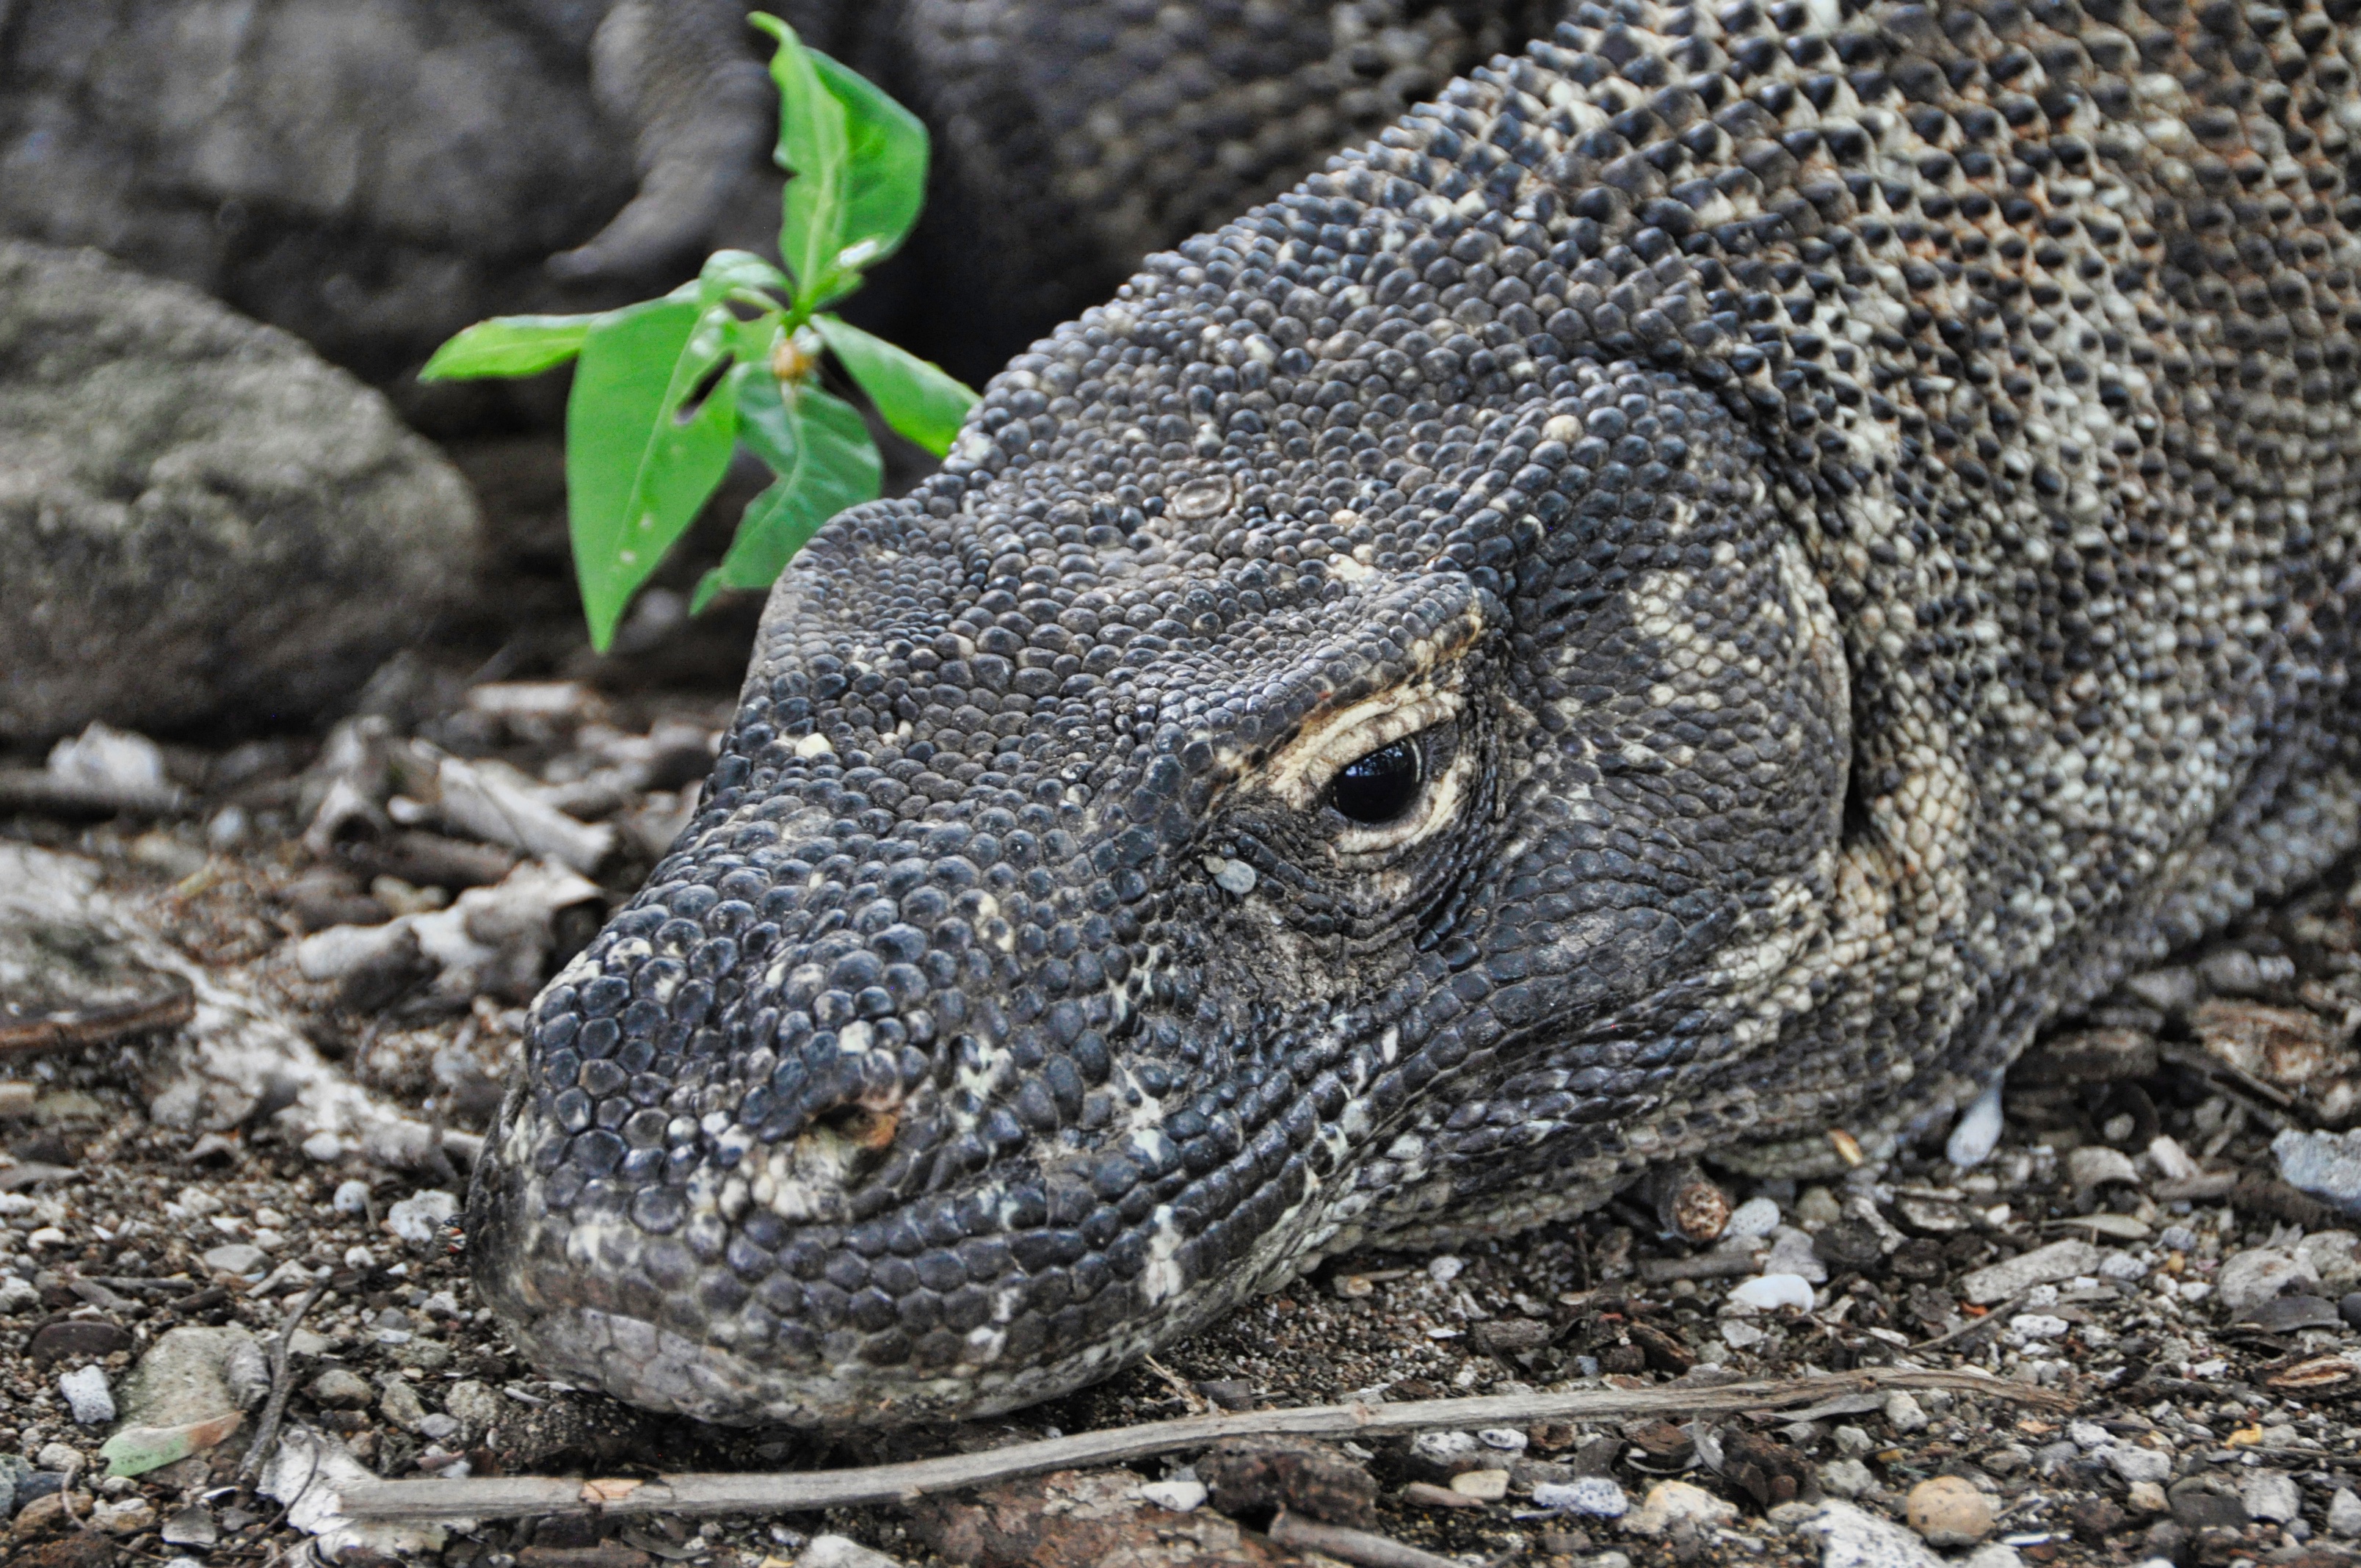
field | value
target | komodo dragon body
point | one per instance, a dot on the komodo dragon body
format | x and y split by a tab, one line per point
1689	597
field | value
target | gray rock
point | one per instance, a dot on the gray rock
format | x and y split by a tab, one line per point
2206	1501
87	1396
1846	1477
202	520
2043	1266
1593	1495
2326	1165
1851	1537
401	1406
2249	1279
2135	1463
234	1257
337	1389
842	1551
2270	1495
194	1374
2345	1514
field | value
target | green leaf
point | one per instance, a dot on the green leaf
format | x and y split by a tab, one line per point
917	396
743	275
889	150
509	345
636	471
824	461
815	151
859	164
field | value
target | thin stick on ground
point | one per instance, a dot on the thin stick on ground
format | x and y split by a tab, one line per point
799	1492
1347	1545
267	1432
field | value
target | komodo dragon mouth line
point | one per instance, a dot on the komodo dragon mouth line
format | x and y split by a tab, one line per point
1691	595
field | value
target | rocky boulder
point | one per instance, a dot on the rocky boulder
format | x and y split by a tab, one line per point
200	523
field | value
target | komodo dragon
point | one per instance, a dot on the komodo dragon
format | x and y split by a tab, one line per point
1689	597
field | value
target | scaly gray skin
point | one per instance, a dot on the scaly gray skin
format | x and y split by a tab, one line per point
1074	136
1855	516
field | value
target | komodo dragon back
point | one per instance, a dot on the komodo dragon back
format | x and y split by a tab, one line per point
1689	597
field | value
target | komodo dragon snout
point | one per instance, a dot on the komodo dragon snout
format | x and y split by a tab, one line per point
1683	601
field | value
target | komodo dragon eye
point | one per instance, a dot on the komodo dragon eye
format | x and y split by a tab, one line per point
1378	787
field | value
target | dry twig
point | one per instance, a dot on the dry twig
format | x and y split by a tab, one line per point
267	1431
174	1005
798	1492
1348	1545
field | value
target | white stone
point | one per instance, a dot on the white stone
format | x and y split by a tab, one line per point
1770	1292
1445	1268
2171	1161
1179	1497
2272	1495
1846	1477
1755	1217
2043	1266
2088	1435
1740	1335
87	1395
2096	1164
2027	1327
2336	1256
842	1551
1508	1438
1977	1132
1593	1495
2251	1277
2345	1514
2122	1265
1904	1414
352	1198
1853	1539
2136	1463
420	1217
1791	1253
1671	1503
1995	1555
234	1257
1446	1449
1853	1441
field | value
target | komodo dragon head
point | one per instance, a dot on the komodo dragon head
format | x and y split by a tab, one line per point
1453	688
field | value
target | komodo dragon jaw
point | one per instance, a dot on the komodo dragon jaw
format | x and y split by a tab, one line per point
1689	597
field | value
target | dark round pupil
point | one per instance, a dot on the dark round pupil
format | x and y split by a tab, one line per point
1378	787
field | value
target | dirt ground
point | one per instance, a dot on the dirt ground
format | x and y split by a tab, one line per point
2208	1386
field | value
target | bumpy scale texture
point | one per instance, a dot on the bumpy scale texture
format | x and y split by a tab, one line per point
1688	597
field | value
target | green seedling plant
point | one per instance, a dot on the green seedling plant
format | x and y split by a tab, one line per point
665	391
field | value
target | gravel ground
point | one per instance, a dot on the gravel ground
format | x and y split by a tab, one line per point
2124	1247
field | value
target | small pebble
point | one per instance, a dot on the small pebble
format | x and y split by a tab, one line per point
1846	1477
1755	1217
1768	1292
1508	1438
2272	1495
1484	1485
352	1198
1978	1130
1818	1206
337	1389
1904	1414
87	1395
1595	1496
1178	1497
1948	1511
2147	1497
420	1217
2345	1514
